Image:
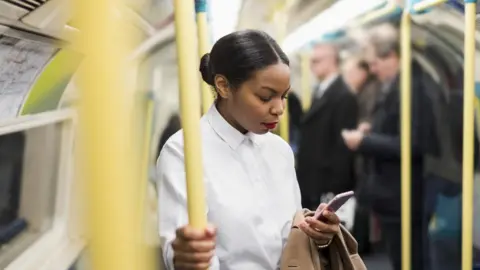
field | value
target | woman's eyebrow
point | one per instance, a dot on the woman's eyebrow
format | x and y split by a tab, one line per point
273	91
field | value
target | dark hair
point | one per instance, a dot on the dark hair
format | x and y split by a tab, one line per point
362	64
238	55
384	47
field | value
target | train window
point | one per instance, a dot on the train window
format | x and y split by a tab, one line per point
11	164
33	186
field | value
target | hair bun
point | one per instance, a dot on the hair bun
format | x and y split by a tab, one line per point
205	70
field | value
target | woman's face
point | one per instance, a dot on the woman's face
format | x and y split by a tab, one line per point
258	103
354	76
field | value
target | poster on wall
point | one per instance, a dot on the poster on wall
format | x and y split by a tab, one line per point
21	61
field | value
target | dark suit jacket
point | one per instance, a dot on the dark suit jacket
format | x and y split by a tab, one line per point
383	145
324	162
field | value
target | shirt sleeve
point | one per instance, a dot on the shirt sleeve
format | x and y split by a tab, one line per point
296	190
294	181
172	199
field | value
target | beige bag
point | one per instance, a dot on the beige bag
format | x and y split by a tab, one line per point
301	253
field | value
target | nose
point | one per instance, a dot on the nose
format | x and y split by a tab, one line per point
278	107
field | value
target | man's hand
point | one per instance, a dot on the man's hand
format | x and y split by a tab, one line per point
364	127
352	138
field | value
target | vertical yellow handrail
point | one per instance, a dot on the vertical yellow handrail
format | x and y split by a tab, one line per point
106	141
189	104
306	81
280	20
145	167
468	135
203	48
406	133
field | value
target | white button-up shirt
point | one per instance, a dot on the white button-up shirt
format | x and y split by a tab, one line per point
251	193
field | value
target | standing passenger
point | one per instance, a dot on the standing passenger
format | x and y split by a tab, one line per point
251	188
325	164
366	87
382	144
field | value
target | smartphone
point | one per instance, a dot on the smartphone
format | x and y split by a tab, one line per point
334	204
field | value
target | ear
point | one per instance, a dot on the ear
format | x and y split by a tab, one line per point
222	86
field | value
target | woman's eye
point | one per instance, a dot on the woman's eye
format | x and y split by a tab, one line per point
265	99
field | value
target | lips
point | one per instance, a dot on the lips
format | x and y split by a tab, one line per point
270	125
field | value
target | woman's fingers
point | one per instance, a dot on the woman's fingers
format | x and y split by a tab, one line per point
193	246
191	266
320	226
194	257
331	217
318	236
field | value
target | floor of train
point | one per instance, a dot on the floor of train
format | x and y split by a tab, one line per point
374	261
377	261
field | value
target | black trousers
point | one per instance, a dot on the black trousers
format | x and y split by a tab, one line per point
420	251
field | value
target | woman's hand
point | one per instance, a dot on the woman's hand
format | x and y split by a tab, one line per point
193	248
322	232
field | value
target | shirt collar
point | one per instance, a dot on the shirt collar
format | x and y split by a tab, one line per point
387	85
328	81
227	132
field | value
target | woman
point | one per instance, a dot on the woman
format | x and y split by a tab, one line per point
356	73
251	187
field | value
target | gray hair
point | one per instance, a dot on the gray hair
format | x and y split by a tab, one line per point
335	49
384	40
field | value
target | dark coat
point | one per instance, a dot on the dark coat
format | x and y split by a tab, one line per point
383	145
325	164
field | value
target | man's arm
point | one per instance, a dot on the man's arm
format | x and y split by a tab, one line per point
389	146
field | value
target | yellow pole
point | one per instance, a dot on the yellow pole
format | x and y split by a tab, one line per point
386	10
189	104
280	20
425	4
306	81
145	166
107	144
203	48
468	135
406	85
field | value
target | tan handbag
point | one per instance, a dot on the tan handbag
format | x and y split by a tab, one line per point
301	253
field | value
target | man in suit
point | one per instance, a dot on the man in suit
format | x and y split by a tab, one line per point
382	145
325	164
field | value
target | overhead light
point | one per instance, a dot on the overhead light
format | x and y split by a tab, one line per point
334	18
223	17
